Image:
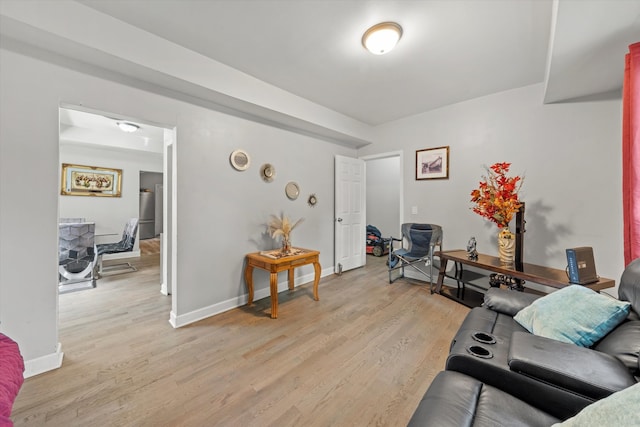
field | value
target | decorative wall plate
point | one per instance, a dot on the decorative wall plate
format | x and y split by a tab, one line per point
267	172
240	160
292	190
312	200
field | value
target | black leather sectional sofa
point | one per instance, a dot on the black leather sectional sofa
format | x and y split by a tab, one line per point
499	374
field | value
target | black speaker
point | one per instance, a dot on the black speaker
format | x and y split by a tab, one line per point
520	223
581	268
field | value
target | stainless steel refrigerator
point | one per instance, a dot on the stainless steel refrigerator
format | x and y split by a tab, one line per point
147	222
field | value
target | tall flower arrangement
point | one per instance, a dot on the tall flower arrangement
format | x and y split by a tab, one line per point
282	226
496	197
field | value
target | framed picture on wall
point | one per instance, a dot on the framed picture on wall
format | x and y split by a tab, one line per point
78	180
432	163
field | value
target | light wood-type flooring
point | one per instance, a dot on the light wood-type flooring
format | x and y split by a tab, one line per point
150	246
361	356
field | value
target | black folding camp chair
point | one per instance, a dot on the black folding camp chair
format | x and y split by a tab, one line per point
421	240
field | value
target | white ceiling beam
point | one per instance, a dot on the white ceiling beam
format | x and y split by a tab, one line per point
151	58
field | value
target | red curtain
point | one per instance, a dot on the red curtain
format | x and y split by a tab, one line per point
631	154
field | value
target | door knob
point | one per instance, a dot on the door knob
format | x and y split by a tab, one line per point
339	219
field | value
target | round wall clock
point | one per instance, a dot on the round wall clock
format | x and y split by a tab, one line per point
292	190
240	160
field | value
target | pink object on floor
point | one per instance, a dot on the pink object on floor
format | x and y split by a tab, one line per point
11	377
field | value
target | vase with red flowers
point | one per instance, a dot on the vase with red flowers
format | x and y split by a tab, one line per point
496	199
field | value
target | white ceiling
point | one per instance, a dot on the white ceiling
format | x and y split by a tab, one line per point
82	127
451	50
590	40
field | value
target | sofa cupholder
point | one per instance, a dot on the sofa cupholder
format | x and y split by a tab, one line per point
481	352
483	337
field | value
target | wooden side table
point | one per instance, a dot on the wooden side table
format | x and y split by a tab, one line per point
274	265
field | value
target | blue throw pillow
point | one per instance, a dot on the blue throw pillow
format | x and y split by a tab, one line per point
574	314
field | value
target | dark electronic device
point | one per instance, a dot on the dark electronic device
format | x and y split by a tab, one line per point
581	268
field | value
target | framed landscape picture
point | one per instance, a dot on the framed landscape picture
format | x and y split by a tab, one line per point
78	180
432	163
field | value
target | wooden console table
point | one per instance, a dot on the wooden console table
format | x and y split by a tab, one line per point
276	265
547	276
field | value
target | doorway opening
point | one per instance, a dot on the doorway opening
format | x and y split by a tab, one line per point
150	212
97	139
384	192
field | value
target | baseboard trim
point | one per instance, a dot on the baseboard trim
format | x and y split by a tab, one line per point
44	364
178	321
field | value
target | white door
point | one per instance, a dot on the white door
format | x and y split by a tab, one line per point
350	214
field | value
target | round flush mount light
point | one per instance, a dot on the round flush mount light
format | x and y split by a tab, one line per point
381	38
128	127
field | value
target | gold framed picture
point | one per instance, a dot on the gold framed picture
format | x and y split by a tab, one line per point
79	180
432	163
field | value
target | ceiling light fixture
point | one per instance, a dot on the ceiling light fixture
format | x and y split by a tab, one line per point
128	127
381	38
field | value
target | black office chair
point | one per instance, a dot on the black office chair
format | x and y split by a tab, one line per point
124	245
422	240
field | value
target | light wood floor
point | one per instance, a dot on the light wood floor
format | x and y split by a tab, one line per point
361	356
149	246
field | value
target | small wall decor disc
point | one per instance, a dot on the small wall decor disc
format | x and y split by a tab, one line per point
292	190
240	160
267	172
312	200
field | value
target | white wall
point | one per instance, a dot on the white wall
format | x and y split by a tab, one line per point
383	195
109	213
221	213
570	155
